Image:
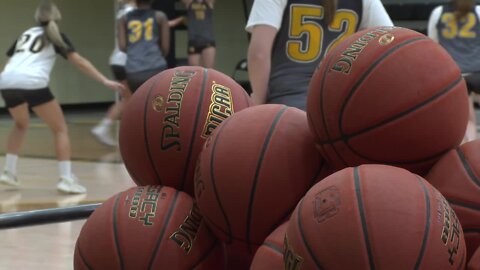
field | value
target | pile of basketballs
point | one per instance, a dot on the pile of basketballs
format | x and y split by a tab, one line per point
373	175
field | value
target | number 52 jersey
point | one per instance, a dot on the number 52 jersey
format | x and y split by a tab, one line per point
32	58
303	36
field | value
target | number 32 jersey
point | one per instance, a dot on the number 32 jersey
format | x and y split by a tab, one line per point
303	36
31	61
460	38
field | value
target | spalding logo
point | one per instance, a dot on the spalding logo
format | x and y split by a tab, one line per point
386	39
157	103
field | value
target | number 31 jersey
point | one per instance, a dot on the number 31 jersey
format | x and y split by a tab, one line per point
31	61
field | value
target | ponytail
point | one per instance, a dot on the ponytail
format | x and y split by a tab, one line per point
329	7
53	35
462	8
47	15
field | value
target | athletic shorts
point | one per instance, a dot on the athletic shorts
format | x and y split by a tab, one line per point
473	82
119	72
196	47
135	80
15	97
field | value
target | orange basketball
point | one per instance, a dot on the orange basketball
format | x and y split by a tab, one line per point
253	170
270	254
387	95
374	217
167	120
149	227
474	263
457	176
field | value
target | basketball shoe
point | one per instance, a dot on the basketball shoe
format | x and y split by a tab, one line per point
103	135
8	178
70	185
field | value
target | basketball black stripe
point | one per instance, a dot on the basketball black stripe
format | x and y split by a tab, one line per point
304	239
257	172
173	204
426	230
115	231
467	167
193	138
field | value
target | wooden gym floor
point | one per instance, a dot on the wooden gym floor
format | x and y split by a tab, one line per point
97	166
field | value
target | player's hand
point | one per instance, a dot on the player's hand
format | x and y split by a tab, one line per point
114	85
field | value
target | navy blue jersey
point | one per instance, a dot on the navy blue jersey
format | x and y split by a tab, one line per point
143	36
200	22
461	38
302	41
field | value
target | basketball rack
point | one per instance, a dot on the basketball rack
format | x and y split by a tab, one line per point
46	216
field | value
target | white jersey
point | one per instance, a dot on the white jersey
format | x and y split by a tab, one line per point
31	61
119	58
270	12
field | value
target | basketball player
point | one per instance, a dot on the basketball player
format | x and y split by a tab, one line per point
201	41
24	85
117	63
144	35
290	38
456	27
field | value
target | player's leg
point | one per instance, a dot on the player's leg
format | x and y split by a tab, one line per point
102	131
194	54
51	113
208	57
18	109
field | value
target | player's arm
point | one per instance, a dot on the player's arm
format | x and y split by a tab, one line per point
87	68
174	22
259	62
122	34
164	32
187	2
210	3
9	54
432	31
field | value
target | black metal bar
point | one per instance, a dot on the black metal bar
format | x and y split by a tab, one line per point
46	216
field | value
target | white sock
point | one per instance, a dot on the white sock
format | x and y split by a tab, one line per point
65	168
11	163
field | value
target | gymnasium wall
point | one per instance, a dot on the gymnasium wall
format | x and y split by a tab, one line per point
90	23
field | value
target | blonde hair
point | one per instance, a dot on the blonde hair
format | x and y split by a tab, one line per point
47	15
462	8
329	7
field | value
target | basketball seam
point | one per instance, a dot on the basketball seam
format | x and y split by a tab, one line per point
362	78
273	247
258	168
434	156
361	211
324	118
212	178
463	259
289	211
115	232
464	204
212	224
194	130
427	224
471	230
304	239
145	134
206	255
468	168
164	227
84	260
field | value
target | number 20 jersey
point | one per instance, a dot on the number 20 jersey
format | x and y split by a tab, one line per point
31	61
